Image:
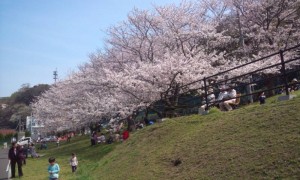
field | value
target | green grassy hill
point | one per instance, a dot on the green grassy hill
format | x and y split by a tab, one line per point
252	142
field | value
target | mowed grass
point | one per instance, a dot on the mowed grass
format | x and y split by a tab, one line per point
252	142
36	168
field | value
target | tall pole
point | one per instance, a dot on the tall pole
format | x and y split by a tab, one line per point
19	124
31	119
55	75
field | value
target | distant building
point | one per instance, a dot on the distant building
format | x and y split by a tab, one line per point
34	127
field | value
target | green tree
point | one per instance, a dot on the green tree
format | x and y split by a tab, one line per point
18	104
20	111
27	95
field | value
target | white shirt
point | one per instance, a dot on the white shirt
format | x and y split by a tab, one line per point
102	138
73	161
222	95
211	98
231	94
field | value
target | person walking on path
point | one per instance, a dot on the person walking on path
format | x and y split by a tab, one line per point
21	154
53	169
73	162
13	156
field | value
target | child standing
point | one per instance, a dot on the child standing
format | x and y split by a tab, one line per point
53	169
73	162
57	142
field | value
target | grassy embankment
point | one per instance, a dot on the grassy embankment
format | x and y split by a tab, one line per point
252	142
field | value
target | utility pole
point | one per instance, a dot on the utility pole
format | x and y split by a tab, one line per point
31	119
19	124
55	75
21	132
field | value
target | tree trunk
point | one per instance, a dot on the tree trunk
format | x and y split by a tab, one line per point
131	124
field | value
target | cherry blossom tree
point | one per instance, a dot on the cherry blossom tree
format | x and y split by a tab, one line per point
156	52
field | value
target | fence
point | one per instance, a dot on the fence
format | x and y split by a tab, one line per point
255	77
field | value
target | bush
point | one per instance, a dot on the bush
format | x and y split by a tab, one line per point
9	136
27	134
214	110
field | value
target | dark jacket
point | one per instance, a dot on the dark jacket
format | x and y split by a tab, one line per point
12	156
21	154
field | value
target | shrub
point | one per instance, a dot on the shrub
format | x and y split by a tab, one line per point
27	134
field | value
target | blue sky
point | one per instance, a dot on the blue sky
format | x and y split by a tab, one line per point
39	36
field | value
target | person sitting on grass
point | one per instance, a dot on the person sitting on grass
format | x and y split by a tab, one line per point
125	135
294	85
117	137
231	95
222	95
262	98
34	154
110	139
101	139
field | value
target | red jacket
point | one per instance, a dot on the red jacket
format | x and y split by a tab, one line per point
125	135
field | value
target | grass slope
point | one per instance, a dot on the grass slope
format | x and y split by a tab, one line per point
252	142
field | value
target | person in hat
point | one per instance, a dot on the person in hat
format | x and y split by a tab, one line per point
229	99
210	99
294	85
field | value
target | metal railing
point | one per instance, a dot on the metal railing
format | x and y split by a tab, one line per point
282	74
